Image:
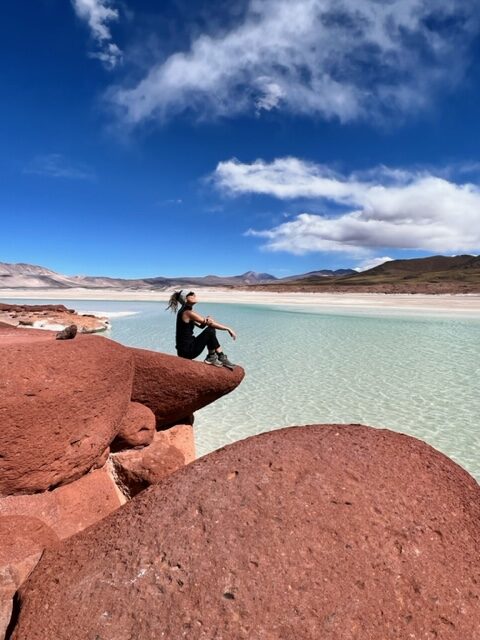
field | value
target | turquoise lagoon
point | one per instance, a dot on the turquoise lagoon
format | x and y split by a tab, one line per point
414	374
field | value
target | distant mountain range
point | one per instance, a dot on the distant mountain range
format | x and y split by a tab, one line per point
29	276
431	269
434	274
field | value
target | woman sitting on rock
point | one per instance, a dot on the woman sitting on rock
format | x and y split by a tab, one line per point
190	346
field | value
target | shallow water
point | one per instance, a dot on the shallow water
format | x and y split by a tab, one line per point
416	375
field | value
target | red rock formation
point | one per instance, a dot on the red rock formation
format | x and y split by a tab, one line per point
174	387
12	335
181	437
331	532
6	308
102	460
137	428
69	508
49	314
29	523
170	450
22	541
62	403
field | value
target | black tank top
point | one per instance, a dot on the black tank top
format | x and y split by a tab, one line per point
184	333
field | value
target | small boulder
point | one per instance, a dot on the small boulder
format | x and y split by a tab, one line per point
68	333
137	428
170	450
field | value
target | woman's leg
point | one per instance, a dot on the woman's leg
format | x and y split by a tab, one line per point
207	338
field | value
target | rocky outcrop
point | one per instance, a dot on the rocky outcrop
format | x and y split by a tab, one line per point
65	406
34	308
29	523
170	450
312	532
50	316
62	405
22	541
137	428
72	507
173	388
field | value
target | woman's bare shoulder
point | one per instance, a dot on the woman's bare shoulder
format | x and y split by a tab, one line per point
189	314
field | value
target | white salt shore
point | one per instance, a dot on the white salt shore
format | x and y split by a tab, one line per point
466	305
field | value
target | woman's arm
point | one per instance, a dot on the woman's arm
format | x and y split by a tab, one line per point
216	325
200	321
196	317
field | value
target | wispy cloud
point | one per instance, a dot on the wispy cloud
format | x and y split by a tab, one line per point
326	58
55	165
169	202
98	14
383	207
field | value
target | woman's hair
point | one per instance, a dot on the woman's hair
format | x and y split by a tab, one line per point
177	298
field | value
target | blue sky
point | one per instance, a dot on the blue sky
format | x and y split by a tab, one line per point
186	137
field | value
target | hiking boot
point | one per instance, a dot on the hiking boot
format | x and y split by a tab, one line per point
212	358
225	362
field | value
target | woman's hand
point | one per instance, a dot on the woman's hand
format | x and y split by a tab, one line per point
232	333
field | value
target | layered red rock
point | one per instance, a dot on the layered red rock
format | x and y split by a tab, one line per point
172	449
174	388
137	428
30	523
62	405
326	531
70	508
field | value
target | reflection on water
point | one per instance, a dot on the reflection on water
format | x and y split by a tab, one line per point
415	375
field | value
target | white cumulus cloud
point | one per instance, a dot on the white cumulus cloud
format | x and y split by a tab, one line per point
383	208
98	14
344	59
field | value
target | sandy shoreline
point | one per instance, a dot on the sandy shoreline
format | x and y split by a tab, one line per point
467	305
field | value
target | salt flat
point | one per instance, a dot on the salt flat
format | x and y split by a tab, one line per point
466	305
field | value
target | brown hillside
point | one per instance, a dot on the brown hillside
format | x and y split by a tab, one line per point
436	274
422	266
